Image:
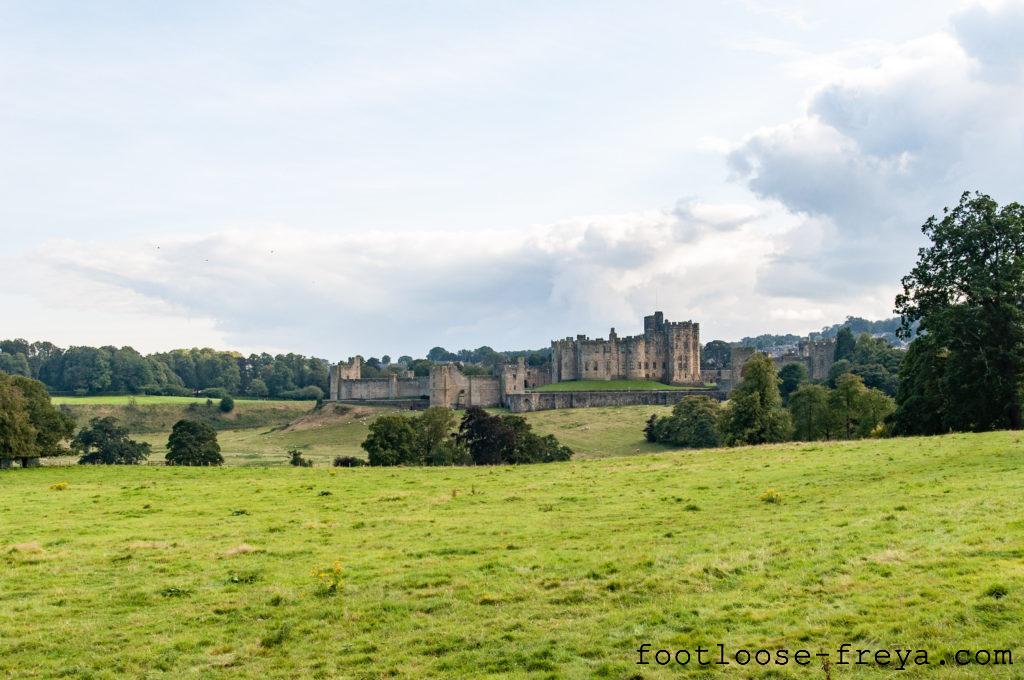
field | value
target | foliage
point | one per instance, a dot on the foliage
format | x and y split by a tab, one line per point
52	425
715	355
754	413
348	461
226	405
791	376
850	411
693	424
193	443
329	578
923	398
498	440
392	441
295	458
17	435
651	429
432	428
967	292
809	409
104	442
845	343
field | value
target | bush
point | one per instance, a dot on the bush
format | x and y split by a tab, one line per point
214	393
693	424
348	461
227	405
449	452
295	458
310	393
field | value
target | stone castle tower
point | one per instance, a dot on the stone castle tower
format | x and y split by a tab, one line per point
668	352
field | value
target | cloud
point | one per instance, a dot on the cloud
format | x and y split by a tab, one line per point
339	294
885	142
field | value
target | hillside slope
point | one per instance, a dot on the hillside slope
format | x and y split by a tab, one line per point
558	570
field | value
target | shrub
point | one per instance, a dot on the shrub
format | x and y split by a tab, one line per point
693	424
348	461
771	496
309	393
214	393
330	578
227	405
295	458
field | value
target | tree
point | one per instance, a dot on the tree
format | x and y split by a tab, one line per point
432	428
754	413
51	425
856	409
104	442
14	364
17	436
845	344
716	354
226	405
693	423
497	440
441	354
922	396
967	292
791	377
651	429
392	441
193	443
812	419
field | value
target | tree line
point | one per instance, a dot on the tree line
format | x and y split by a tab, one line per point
83	370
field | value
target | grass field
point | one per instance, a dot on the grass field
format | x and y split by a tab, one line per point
144	400
606	385
261	432
548	571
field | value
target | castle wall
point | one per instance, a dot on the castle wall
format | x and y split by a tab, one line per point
392	387
543	401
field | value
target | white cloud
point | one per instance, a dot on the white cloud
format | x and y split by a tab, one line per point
890	137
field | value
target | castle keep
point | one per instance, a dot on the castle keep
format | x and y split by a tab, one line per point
667	352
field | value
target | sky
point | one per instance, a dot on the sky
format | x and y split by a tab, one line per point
341	178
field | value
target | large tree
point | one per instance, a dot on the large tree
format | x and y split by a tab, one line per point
104	442
52	426
17	436
754	413
967	293
193	443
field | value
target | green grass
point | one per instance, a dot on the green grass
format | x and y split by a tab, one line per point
546	571
123	400
605	385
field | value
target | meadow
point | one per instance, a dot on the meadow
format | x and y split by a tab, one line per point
545	571
262	432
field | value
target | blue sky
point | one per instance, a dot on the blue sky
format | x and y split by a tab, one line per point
340	178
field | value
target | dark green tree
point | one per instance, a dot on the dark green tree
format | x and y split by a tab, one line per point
922	398
845	344
717	354
193	443
791	377
226	404
392	441
17	436
52	426
754	413
104	442
967	292
693	423
809	409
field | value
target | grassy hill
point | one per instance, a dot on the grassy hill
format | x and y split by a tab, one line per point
557	570
261	432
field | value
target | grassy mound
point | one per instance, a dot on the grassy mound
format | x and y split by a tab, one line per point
558	570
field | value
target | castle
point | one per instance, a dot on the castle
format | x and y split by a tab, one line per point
667	352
